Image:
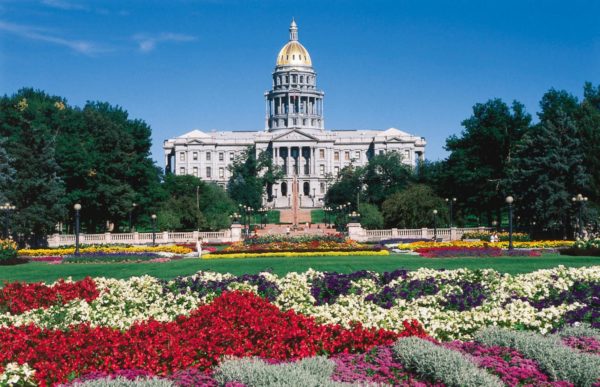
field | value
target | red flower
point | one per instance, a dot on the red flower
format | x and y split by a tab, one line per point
236	323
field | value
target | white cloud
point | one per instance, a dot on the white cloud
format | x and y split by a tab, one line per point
147	43
38	34
63	4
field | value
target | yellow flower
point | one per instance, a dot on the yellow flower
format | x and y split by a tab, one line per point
106	249
503	244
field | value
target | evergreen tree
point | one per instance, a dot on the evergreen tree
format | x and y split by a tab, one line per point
7	172
547	171
480	158
589	127
38	191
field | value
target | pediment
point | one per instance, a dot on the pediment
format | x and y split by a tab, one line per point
295	135
195	141
394	140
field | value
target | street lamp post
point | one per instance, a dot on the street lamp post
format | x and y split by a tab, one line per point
451	204
509	201
153	216
77	208
580	199
435	225
133	205
6	207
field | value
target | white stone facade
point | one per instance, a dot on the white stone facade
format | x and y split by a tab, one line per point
294	135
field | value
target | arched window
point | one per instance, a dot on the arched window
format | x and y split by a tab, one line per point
306	188
283	189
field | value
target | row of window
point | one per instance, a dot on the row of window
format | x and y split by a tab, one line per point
208	172
282	80
208	156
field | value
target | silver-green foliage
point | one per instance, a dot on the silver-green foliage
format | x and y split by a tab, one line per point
434	362
309	372
582	330
122	382
558	361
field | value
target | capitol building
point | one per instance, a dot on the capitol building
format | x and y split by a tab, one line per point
294	135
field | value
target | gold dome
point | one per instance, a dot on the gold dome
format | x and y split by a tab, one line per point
293	54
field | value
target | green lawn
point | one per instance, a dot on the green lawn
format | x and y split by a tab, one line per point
43	272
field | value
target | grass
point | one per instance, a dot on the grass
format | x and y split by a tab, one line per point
317	216
33	272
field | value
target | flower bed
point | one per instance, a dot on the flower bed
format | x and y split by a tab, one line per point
105	249
456	251
189	330
503	245
296	254
590	248
502	236
234	324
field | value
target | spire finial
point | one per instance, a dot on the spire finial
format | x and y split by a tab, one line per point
293	30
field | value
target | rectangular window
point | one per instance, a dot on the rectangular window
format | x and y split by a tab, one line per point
407	154
182	171
208	172
207	156
195	171
322	188
336	170
221	156
221	173
322	170
357	155
346	155
321	153
195	156
231	156
181	156
336	156
381	151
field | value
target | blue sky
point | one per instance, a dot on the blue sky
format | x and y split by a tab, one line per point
418	66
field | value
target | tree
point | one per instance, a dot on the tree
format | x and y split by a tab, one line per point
345	188
252	176
413	208
38	191
547	171
7	172
192	204
589	129
370	216
383	176
480	158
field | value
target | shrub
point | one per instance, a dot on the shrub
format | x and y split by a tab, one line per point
309	372
557	360
502	236
123	382
438	363
8	250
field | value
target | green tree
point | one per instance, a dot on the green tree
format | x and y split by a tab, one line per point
252	176
370	216
345	188
413	208
7	172
480	158
383	176
547	171
192	204
589	128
